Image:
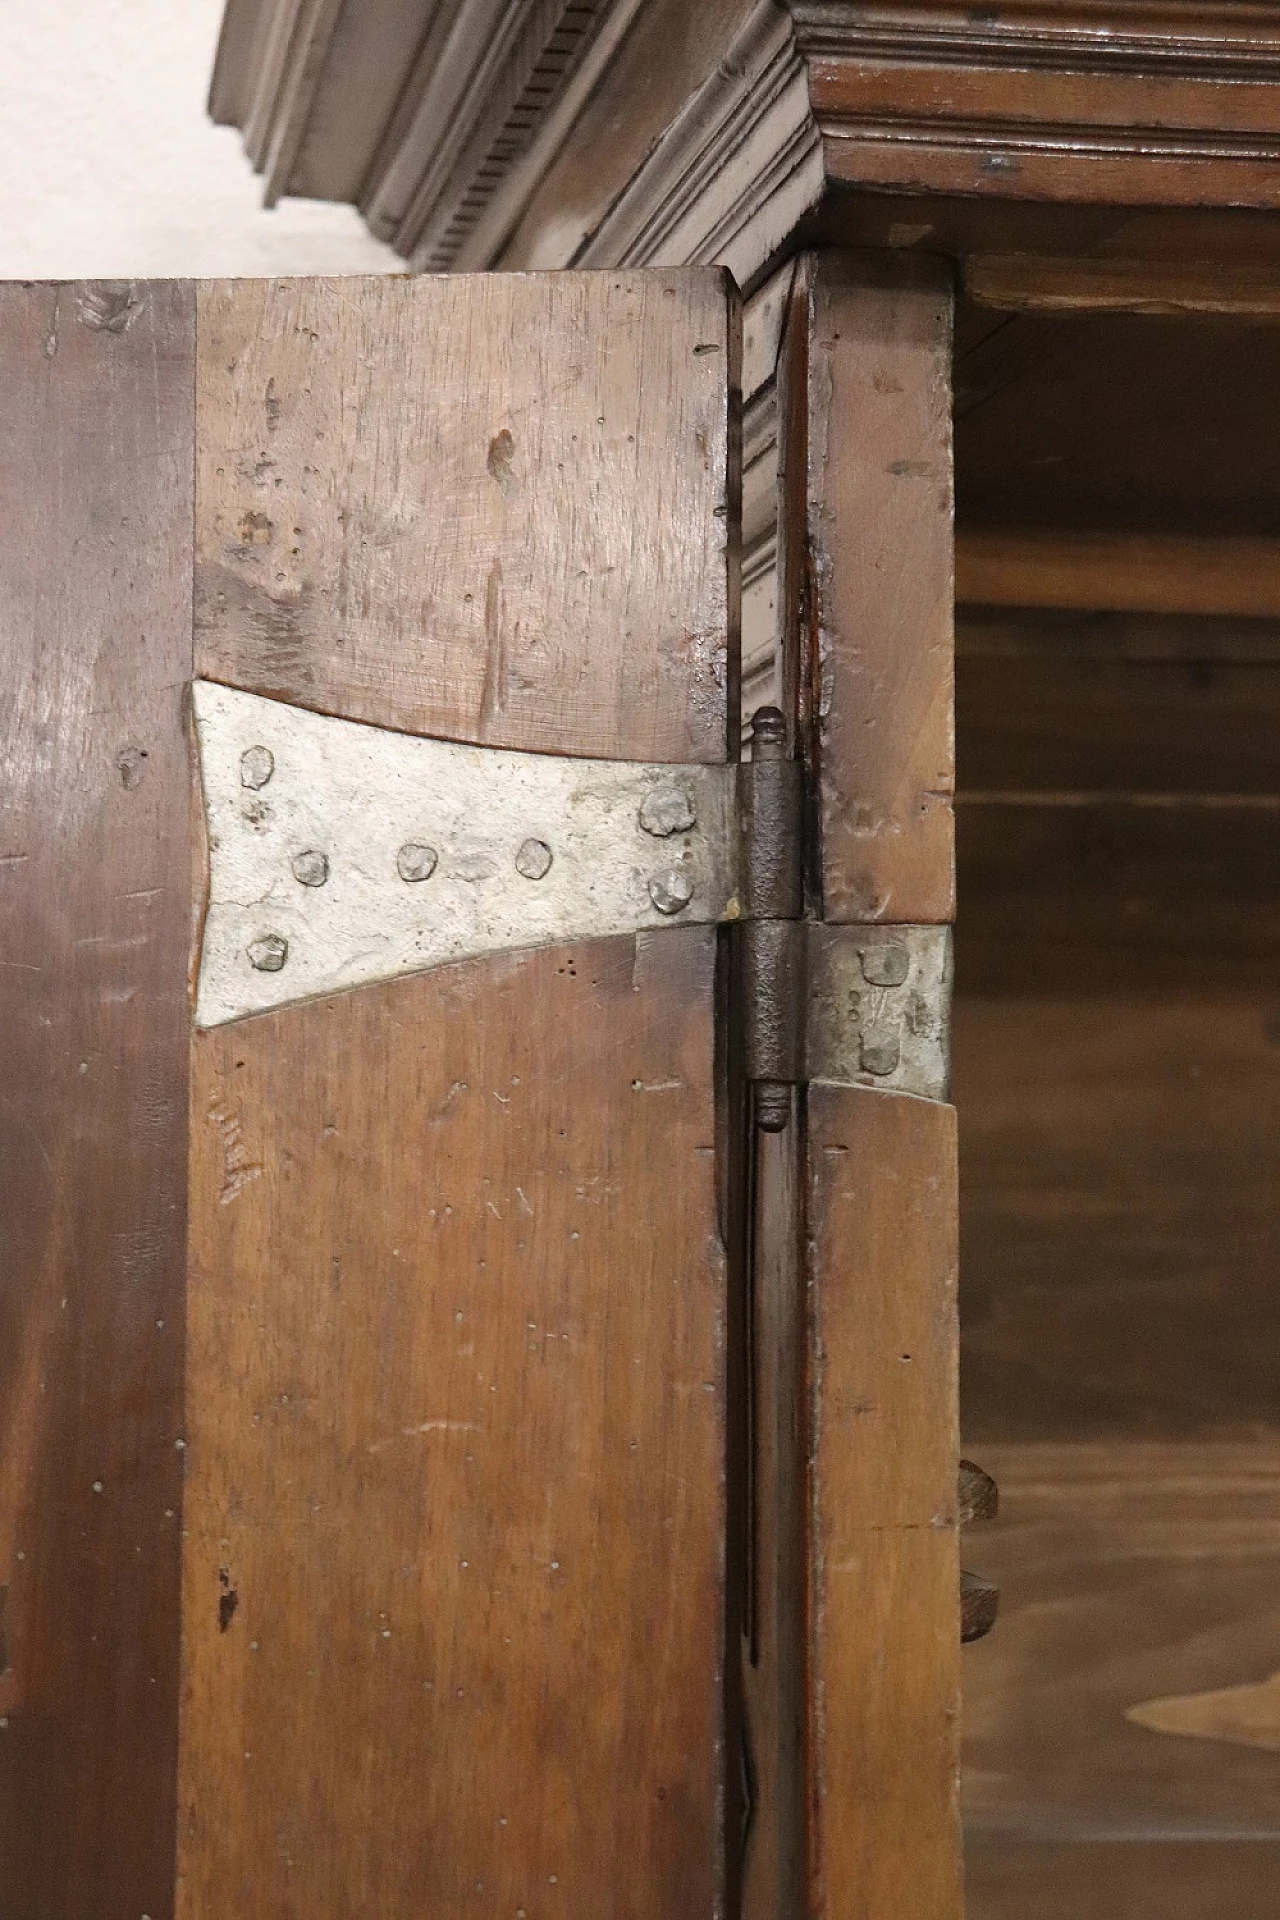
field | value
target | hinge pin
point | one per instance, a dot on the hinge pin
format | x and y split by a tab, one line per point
773	946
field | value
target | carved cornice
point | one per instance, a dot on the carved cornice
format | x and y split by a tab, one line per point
1087	103
1104	36
733	174
1156	103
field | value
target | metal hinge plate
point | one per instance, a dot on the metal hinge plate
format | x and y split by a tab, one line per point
342	854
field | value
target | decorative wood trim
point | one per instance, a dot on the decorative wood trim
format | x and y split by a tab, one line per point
734	174
480	108
1040	101
1092	102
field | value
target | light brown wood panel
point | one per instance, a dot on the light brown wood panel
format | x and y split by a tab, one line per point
453	1569
1008	1879
877	501
1021	283
95	614
529	548
884	1565
1129	1573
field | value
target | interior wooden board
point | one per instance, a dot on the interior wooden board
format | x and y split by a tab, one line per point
1117	421
1138	1595
1107	894
493	508
455	1444
1119	1166
1145	1880
884	1571
95	649
1042	723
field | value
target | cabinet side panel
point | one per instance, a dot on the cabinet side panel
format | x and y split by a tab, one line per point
881	613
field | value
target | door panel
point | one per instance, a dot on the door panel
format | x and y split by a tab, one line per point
489	508
453	1581
884	1565
95	651
451	1626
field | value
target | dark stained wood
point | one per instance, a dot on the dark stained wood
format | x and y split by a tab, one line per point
884	1565
1056	634
1118	1083
1081	428
394	562
1049	723
1052	130
877	505
1120	1156
95	609
453	1570
775	1649
1068	895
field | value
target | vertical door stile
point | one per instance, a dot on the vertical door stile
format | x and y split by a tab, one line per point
867	594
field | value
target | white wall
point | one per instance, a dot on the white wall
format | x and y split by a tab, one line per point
110	168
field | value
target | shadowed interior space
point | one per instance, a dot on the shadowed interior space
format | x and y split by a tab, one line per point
1117	1074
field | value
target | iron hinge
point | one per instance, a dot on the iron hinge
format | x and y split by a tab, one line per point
846	1005
342	854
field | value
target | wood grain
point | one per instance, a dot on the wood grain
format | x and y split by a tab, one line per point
453	1569
1124	572
884	1564
1110	456
1064	894
1053	723
1007	1879
775	1652
530	549
1016	109
95	610
1128	1571
1120	1154
878	507
1021	283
